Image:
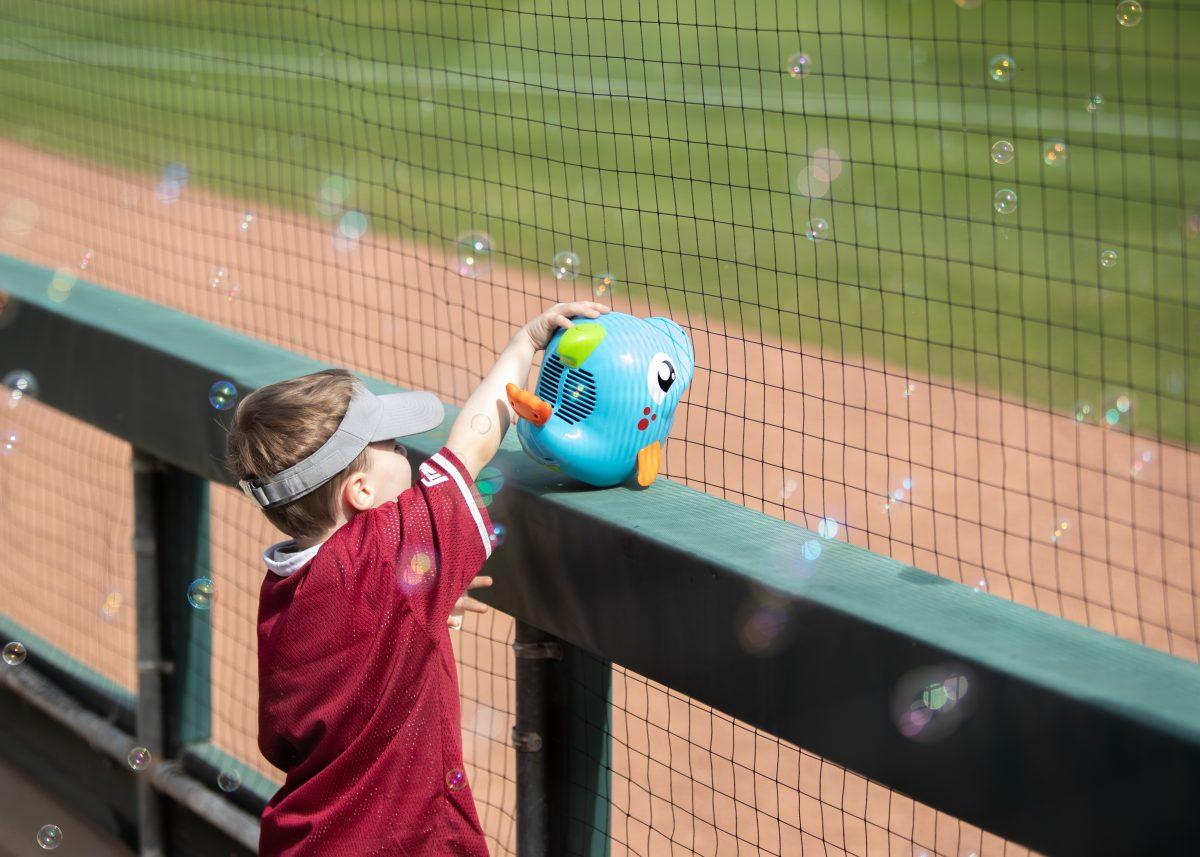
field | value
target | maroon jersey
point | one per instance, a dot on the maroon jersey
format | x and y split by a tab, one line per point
358	691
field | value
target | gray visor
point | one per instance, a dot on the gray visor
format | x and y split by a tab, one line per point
369	418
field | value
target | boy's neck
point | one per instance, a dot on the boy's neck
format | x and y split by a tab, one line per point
312	541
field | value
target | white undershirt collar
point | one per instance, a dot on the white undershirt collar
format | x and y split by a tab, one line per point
282	558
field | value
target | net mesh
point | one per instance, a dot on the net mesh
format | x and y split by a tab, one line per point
937	260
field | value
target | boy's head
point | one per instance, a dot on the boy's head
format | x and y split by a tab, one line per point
311	460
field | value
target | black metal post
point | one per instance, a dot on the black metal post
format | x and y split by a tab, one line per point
539	661
150	719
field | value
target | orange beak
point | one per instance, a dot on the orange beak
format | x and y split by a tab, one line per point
528	406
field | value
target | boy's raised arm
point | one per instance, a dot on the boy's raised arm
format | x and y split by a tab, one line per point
486	415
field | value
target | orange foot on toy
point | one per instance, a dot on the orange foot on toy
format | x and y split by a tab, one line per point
528	406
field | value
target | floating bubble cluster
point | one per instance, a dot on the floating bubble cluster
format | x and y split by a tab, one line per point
1002	68
200	593
139	758
930	703
1108	258
499	533
220	284
981	586
49	837
799	65
1129	13
19	386
86	260
14	653
1002	152
246	222
1060	531
1095	103
565	265
474	251
10	442
1082	411
228	781
828	528
1005	201
222	395
1055	153
817	229
899	495
1140	463
602	286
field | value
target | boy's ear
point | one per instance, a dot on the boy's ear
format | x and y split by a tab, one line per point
358	492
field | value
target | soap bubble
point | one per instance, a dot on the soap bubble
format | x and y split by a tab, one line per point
565	265
333	192
111	606
86	260
763	624
474	251
489	483
909	390
1002	151
1002	68
456	778
808	184
481	424
61	285
931	702
1108	258
1055	153
602	286
219	283
1140	462
10	442
811	550
18	219
817	229
353	225
968	4
222	395
170	186
1083	411
799	65
49	837
1094	103
828	528
14	653
139	758
19	386
1060	531
200	593
1129	13
246	222
228	781
499	533
1005	201
418	571
1123	404
825	165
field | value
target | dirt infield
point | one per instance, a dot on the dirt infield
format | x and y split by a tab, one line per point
779	427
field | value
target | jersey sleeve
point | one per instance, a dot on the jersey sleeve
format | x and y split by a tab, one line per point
445	538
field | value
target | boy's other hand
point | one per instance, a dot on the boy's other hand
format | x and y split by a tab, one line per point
542	328
465	603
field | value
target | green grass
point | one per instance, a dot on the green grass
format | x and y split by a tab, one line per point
662	141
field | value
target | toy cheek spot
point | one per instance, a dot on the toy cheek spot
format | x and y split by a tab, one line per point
642	423
654	416
645	410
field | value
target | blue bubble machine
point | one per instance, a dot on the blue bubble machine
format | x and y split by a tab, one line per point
605	398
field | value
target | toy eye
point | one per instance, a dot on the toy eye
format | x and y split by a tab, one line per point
660	376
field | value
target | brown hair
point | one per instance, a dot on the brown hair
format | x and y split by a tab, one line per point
281	424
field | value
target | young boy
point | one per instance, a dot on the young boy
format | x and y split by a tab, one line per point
358	692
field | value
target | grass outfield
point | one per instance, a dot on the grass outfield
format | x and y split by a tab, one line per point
662	142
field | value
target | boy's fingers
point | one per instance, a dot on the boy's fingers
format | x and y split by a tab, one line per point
479	582
475	606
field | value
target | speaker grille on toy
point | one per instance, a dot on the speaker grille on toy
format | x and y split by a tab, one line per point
572	392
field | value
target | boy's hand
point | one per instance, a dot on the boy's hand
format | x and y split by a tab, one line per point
466	603
542	328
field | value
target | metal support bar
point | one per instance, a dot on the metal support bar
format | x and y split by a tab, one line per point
167	776
532	677
150	719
